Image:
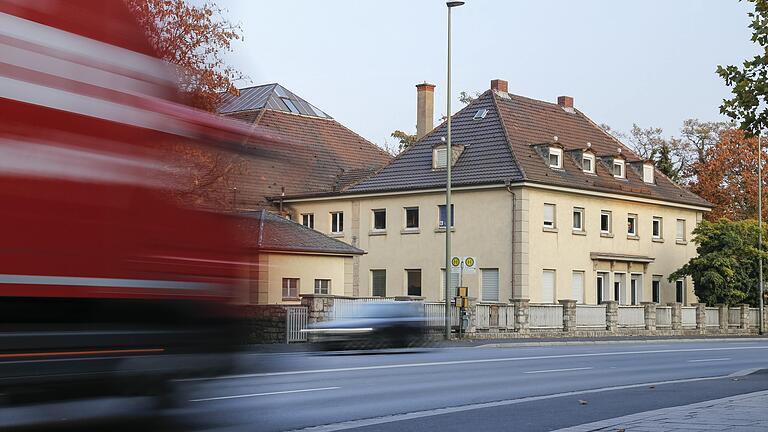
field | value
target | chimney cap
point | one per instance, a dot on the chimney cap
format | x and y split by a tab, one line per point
499	85
425	85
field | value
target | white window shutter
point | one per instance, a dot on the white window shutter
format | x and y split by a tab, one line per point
490	285
548	286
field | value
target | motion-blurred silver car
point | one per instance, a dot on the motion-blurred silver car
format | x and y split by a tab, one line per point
372	325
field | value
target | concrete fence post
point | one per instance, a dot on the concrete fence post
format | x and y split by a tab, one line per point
569	315
744	316
677	315
722	316
319	307
701	317
611	315
649	310
521	315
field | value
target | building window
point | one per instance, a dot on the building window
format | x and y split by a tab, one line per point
618	168
490	281
632	225
555	158
411	217
548	286
380	219
577	286
588	163
618	288
679	291
413	280
337	222
549	216
635	289
605	222
578	219
308	220
600	285
290	288
648	173
453	284
656	289
657	227
322	286
379	283
680	235
441	212
439	158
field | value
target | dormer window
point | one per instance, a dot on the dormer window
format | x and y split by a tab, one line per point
588	163
555	157
618	169
439	157
648	173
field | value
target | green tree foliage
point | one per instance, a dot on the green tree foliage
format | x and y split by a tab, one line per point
405	140
663	161
749	84
725	270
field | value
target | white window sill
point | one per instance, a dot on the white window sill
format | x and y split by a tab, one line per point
578	232
410	231
681	242
442	230
633	237
658	240
548	229
377	232
606	235
336	234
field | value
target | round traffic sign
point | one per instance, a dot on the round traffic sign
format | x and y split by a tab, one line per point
469	262
455	261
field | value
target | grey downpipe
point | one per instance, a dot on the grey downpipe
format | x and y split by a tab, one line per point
512	246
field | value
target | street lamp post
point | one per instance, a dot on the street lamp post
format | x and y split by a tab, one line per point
760	227
448	160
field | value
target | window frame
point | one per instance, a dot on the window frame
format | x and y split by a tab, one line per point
544	221
632	220
296	287
418	221
657	221
583	276
591	159
436	157
680	236
483	273
408	273
557	152
656	288
441	224
648	173
374	212
337	221
580	212
622	168
680	290
308	217
609	215
373	286
319	288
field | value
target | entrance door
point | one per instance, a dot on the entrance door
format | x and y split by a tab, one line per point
599	287
618	288
635	285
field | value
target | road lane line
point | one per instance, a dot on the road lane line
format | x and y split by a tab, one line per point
708	360
263	394
558	370
476	361
355	424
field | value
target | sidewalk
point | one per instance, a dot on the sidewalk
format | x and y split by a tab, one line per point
741	413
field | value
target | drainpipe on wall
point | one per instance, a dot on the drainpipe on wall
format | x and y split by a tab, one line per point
512	246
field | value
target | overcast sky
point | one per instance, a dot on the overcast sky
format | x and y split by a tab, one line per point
650	62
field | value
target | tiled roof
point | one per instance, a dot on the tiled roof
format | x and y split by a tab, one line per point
269	232
269	96
322	156
501	147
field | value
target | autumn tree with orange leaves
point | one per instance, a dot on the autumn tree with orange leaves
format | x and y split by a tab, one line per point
728	177
194	38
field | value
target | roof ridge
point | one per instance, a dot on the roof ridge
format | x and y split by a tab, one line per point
506	136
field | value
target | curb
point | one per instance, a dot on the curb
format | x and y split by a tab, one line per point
615	342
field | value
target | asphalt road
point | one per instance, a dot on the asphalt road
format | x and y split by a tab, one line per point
467	388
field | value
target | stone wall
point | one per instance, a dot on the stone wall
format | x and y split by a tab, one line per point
266	323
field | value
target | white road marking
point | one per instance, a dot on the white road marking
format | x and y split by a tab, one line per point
709	360
354	424
558	370
476	361
263	394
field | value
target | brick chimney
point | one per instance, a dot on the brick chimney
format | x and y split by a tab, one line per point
425	109
499	85
565	101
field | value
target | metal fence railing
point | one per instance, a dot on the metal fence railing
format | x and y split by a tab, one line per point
590	316
631	316
494	316
346	307
295	321
545	316
435	314
712	317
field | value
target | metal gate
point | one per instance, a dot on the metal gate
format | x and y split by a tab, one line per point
295	321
